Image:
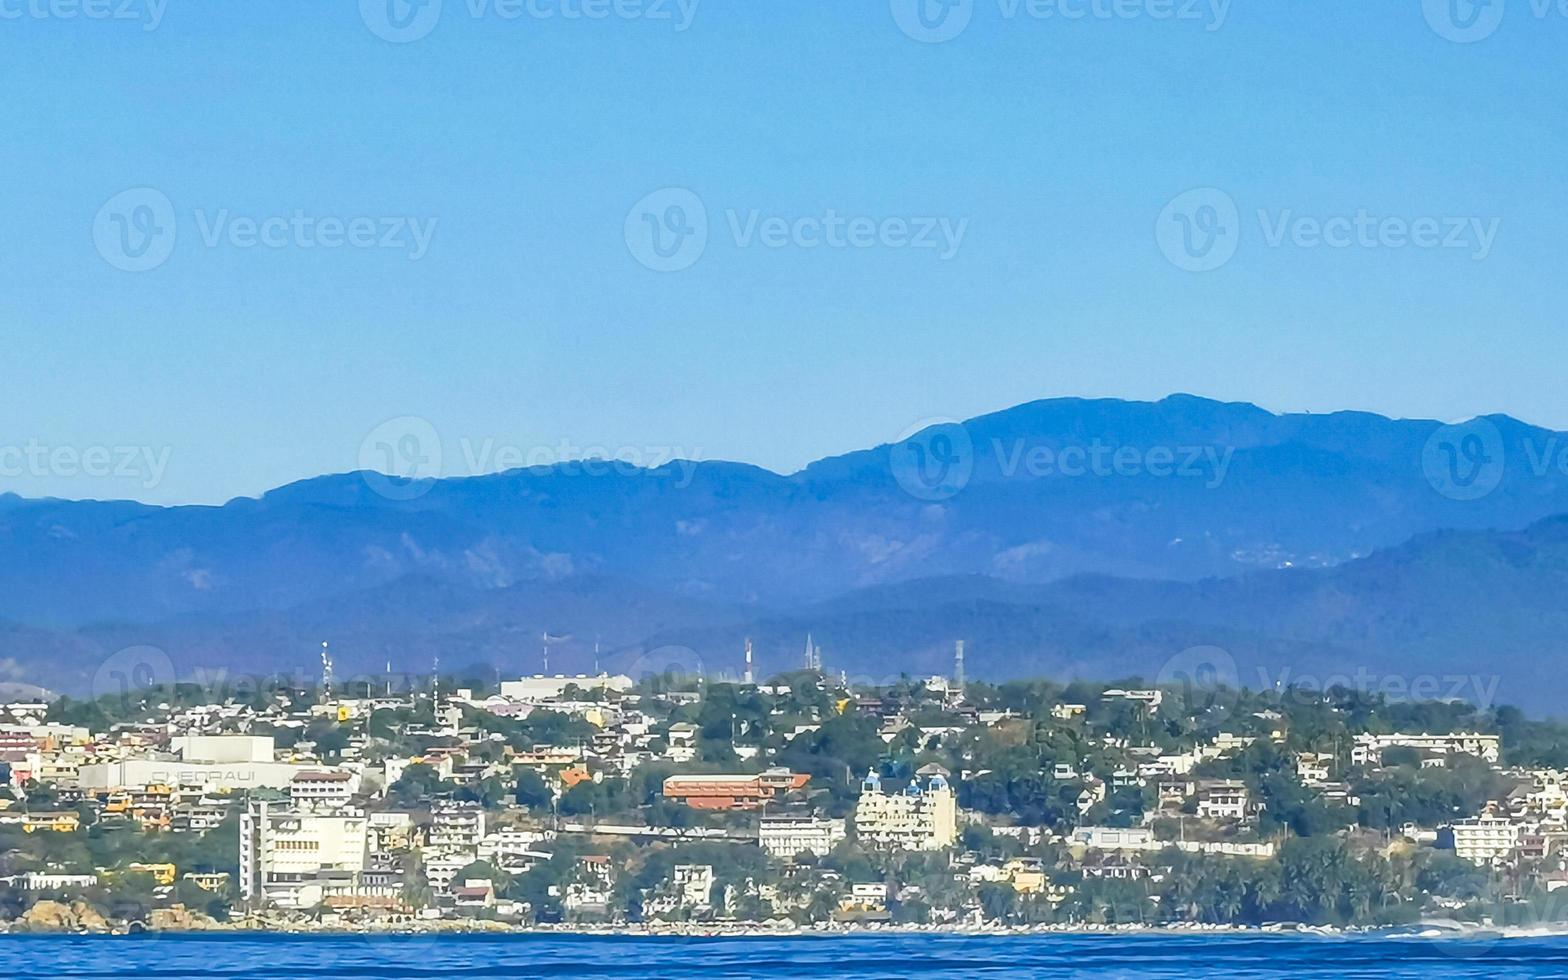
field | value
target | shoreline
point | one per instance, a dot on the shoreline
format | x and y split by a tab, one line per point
1429	930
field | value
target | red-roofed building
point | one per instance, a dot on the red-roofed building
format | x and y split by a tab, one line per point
719	791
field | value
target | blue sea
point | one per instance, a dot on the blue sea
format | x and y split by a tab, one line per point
1146	956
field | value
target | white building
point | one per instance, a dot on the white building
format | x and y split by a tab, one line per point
1483	840
1114	838
1222	799
916	818
690	888
322	789
513	851
541	688
285	853
456	828
1150	697
442	869
784	836
209	776
1368	749
223	748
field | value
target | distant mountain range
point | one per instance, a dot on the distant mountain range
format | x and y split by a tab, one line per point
1060	537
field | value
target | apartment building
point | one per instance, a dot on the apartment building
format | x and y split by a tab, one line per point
456	828
917	818
322	790
285	852
783	836
1222	799
1482	840
1368	749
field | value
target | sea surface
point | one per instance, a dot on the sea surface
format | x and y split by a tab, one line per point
1144	956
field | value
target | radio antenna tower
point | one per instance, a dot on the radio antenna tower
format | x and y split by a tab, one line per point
747	678
958	671
326	670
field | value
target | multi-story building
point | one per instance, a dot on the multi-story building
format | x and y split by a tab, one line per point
1368	749
783	836
918	818
1482	840
456	828
714	791
541	688
1222	799
285	852
322	789
690	888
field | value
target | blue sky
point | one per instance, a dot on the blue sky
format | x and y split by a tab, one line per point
526	323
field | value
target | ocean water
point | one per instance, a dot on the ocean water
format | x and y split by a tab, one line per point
1233	957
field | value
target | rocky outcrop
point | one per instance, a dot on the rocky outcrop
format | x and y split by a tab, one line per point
50	916
177	918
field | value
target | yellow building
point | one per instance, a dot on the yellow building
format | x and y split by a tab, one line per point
916	818
64	822
1027	875
163	874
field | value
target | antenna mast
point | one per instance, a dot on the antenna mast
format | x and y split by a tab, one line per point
326	671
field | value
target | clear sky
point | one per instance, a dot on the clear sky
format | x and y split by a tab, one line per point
977	211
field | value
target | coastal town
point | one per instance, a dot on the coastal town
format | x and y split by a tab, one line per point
799	801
